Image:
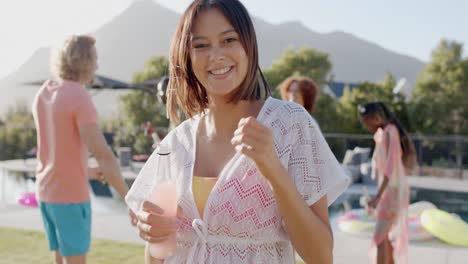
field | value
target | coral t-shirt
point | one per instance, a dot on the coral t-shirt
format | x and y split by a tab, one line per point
60	109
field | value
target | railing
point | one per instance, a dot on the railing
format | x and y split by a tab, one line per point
439	155
436	154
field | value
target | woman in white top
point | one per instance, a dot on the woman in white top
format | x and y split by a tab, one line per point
274	173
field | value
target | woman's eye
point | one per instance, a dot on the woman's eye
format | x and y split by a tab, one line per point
230	40
200	46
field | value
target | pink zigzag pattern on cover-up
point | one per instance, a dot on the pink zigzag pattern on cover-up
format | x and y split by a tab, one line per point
242	193
225	230
249	213
225	250
184	223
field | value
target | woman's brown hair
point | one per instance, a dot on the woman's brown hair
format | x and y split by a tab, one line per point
184	89
307	87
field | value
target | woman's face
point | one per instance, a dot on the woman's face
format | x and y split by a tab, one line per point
372	122
219	60
294	94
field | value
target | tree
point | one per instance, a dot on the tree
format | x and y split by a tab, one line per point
326	114
306	62
155	68
310	63
367	92
139	107
439	101
17	133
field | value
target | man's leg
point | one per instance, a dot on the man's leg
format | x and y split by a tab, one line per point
75	259
50	230
57	258
74	231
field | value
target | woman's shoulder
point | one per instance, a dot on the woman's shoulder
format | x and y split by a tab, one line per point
289	112
182	135
391	129
290	121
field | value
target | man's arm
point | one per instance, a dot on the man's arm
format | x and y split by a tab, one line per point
94	140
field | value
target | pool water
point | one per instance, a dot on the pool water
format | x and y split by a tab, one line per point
452	202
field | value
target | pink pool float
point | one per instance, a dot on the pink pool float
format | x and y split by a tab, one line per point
28	199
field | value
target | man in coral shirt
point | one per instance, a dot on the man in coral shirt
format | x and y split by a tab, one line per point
67	127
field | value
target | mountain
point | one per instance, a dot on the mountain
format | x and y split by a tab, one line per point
145	29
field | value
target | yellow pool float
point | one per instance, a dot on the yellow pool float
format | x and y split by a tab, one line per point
445	226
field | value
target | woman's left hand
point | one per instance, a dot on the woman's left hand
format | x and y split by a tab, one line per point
256	142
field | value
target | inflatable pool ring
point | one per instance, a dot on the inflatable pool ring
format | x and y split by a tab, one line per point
28	199
417	208
359	222
416	231
445	226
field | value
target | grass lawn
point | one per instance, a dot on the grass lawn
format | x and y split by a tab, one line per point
19	246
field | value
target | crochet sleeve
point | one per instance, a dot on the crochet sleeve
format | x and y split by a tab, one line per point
312	165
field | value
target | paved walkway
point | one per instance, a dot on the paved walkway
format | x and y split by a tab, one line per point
110	221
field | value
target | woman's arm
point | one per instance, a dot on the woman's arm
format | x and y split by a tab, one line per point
308	227
373	203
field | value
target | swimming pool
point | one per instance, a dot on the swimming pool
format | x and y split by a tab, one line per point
450	201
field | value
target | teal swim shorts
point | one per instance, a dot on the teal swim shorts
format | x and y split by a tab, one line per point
68	227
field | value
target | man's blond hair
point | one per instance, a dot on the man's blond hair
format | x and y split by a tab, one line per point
74	60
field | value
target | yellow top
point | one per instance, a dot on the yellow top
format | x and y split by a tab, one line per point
201	187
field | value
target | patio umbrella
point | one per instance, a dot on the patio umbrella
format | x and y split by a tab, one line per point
158	86
103	82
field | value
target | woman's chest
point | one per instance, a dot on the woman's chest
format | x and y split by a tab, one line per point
211	158
241	203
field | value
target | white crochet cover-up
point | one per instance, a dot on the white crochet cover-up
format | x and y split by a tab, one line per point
241	222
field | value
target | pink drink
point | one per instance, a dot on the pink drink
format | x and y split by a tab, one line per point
165	196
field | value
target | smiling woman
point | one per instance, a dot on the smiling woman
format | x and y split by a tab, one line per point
223	55
218	59
254	177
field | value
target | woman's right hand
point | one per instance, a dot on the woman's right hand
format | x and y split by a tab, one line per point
153	225
373	202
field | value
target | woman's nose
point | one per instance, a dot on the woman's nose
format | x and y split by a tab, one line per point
217	54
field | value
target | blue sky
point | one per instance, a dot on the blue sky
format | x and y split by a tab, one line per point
411	27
